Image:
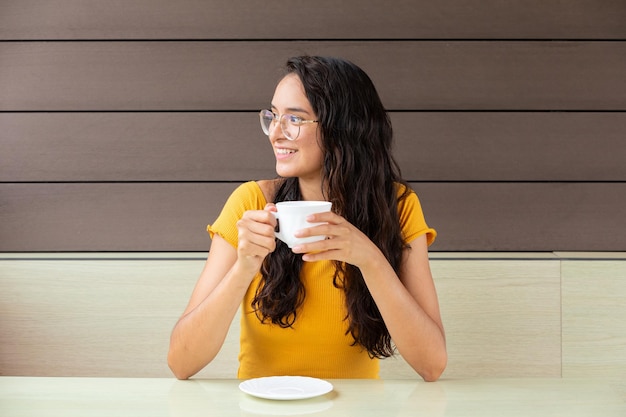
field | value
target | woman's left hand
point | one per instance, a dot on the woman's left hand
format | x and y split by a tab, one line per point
344	242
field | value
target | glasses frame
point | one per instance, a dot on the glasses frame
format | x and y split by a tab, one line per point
282	120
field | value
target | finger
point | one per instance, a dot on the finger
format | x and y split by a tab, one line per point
327	216
328	230
260	216
257	248
328	255
325	245
253	234
262	229
247	228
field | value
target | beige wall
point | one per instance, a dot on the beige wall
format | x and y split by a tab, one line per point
515	314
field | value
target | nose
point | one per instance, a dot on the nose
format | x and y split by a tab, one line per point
276	132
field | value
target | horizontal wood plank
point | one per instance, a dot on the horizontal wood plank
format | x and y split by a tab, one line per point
513	309
594	344
430	146
410	75
173	216
502	317
240	19
92	318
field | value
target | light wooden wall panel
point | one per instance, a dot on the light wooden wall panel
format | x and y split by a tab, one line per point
86	317
508	314
299	19
111	315
512	311
410	75
161	216
226	146
594	318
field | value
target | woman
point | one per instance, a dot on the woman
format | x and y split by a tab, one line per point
332	308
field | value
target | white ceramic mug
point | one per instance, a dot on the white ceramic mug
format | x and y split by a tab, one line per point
291	217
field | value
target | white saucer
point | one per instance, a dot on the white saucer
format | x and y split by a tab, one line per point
286	387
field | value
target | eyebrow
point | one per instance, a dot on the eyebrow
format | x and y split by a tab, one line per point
294	109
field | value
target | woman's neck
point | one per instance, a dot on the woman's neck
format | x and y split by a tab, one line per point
311	190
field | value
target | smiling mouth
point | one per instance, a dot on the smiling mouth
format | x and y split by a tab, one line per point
285	151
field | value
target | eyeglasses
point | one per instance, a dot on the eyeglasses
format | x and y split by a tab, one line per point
289	123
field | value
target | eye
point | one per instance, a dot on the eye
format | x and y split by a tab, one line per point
295	120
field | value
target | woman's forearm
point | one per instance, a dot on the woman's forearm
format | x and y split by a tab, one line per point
200	333
418	337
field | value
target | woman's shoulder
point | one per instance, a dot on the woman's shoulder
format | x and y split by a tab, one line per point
249	195
403	189
258	192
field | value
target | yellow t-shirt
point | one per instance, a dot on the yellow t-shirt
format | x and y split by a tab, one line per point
317	345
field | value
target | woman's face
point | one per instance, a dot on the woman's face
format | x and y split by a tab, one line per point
302	157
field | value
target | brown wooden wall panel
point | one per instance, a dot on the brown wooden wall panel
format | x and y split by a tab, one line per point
504	146
430	146
172	216
375	19
116	118
410	75
134	147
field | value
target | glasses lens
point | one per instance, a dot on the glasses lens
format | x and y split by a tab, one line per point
290	126
266	117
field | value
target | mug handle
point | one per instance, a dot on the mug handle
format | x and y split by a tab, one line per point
277	232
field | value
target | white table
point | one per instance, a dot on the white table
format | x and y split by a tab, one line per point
84	397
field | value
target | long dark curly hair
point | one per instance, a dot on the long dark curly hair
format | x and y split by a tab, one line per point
360	178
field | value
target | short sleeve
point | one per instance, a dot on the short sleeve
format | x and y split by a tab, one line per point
412	219
248	196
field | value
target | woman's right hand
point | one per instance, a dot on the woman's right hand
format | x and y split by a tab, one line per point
256	237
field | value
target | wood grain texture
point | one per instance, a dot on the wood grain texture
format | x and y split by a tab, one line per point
240	19
509	117
113	316
594	329
410	75
91	318
134	147
173	216
430	146
502	318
